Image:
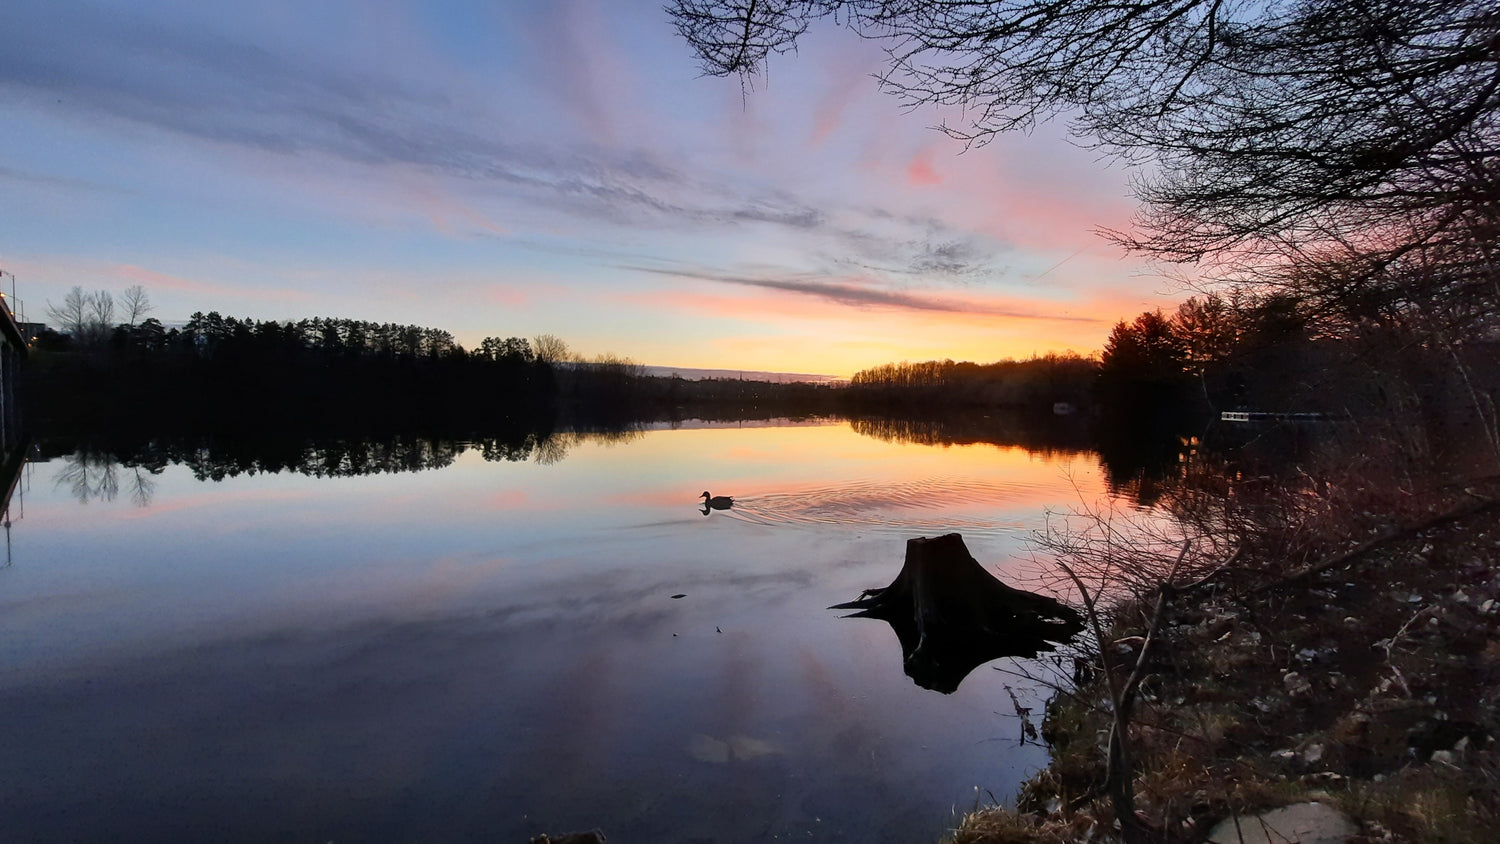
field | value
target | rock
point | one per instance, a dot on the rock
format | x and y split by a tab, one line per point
1324	778
1313	754
1445	757
1429	738
1305	823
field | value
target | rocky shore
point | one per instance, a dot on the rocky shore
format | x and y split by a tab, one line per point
1365	681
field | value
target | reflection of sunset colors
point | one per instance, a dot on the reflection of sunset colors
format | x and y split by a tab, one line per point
822	474
275	547
560	168
433	611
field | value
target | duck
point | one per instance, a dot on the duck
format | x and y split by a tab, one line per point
716	502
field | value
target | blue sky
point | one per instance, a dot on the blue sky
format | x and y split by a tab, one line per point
513	169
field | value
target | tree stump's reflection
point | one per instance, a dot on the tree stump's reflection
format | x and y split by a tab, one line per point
952	616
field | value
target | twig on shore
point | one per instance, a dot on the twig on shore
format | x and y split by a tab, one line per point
1378	540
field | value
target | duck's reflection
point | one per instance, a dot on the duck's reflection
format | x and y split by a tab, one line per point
952	616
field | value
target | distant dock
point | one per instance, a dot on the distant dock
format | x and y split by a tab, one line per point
1268	416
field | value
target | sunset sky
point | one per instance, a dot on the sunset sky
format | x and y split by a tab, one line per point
557	166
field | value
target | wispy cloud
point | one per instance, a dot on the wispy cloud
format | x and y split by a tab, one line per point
50	182
858	296
214	89
529	168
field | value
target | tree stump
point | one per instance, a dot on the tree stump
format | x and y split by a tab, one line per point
951	615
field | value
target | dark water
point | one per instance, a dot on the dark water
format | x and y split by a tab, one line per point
492	649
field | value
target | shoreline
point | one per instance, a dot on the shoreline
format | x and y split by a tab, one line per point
1368	681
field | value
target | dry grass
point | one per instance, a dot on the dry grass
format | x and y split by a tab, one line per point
1434	803
1003	826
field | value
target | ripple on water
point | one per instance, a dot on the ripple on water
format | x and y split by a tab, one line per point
934	504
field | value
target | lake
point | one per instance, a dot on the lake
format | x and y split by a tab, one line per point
462	648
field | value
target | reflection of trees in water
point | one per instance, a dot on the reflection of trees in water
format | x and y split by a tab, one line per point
89	476
335	458
1048	435
95	476
1140	458
142	487
495	450
216	461
1140	462
1158	466
553	448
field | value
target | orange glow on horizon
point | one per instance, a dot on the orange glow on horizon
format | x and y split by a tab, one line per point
813	335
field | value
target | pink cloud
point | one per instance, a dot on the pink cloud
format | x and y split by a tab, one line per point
829	111
441	207
962	308
510	499
215	498
919	170
508	297
1037	192
59	272
579	61
151	279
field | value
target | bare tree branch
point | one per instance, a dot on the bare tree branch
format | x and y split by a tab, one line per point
1273	136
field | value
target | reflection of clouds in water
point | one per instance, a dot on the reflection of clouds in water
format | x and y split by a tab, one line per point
706	748
445	651
903	506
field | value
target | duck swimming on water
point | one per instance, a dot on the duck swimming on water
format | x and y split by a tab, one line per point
716	502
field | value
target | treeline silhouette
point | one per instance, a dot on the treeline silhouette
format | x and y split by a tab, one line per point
1165	378
331	375
1039	382
358	377
223	372
217	372
1278	353
587	394
1160	377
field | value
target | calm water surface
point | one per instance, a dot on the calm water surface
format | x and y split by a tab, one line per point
491	650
